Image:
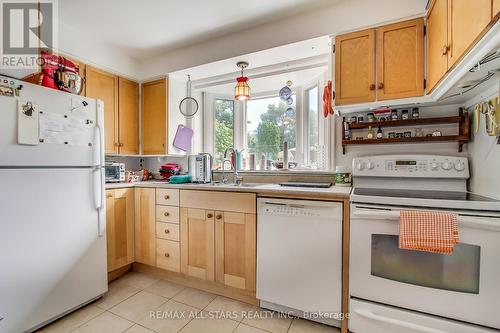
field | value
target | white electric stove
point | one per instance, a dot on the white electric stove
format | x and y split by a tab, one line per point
403	291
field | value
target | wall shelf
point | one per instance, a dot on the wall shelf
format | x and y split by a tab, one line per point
462	137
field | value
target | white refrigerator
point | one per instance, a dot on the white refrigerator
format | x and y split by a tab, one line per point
52	215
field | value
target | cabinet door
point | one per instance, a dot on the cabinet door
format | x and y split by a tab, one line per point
466	21
235	249
154	117
355	67
437	43
120	227
145	245
128	119
496	8
400	60
104	86
197	243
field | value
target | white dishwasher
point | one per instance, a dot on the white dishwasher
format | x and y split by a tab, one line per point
299	257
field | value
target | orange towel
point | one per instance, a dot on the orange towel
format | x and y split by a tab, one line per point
428	231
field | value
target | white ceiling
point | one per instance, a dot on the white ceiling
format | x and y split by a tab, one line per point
148	28
303	53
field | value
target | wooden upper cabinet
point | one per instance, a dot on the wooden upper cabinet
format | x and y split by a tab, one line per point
235	249
128	120
104	86
120	227
145	234
154	117
495	8
437	42
355	67
400	60
466	21
197	242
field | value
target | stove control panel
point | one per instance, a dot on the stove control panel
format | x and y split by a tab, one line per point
415	166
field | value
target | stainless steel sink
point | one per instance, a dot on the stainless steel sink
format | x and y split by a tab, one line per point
237	185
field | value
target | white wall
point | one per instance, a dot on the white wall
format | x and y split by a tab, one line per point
79	45
443	148
484	159
340	17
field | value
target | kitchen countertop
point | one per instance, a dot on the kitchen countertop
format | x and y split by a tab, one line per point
333	192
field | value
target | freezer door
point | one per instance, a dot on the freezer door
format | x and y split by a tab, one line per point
53	255
72	129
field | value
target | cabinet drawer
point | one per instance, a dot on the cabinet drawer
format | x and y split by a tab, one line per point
166	196
168	255
168	231
167	214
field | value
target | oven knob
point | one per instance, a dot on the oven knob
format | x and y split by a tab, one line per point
360	165
370	165
460	166
446	165
434	166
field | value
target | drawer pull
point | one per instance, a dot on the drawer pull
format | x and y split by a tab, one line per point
167	196
166	214
109	195
209	215
167	255
167	231
219	216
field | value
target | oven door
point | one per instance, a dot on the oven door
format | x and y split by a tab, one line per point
463	285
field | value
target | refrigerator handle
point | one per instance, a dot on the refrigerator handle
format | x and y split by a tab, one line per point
99	170
98	135
99	199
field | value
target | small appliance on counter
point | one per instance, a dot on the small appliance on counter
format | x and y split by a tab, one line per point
200	167
114	172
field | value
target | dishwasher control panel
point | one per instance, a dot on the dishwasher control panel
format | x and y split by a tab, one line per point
290	210
300	208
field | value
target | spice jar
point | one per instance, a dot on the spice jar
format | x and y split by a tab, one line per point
342	176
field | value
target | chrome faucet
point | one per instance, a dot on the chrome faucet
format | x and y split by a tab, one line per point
236	178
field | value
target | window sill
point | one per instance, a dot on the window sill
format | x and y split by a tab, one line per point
302	172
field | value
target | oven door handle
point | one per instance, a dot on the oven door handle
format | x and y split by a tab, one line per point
416	327
477	222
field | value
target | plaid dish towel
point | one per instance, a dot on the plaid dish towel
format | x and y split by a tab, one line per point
428	231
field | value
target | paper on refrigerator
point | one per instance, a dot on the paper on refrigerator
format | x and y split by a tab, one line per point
62	129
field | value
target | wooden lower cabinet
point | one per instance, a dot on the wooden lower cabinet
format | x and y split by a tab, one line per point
145	226
197	243
120	227
235	249
495	8
168	255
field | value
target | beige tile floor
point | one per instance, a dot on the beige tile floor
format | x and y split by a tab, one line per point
138	303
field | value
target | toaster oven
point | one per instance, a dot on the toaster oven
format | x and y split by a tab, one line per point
114	172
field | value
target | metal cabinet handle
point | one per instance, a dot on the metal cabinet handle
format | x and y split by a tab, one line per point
167	255
219	216
166	214
167	231
167	196
380	86
445	49
209	215
372	86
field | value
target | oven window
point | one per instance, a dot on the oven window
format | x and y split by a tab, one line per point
455	272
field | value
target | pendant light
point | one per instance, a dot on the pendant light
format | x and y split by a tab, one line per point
242	89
